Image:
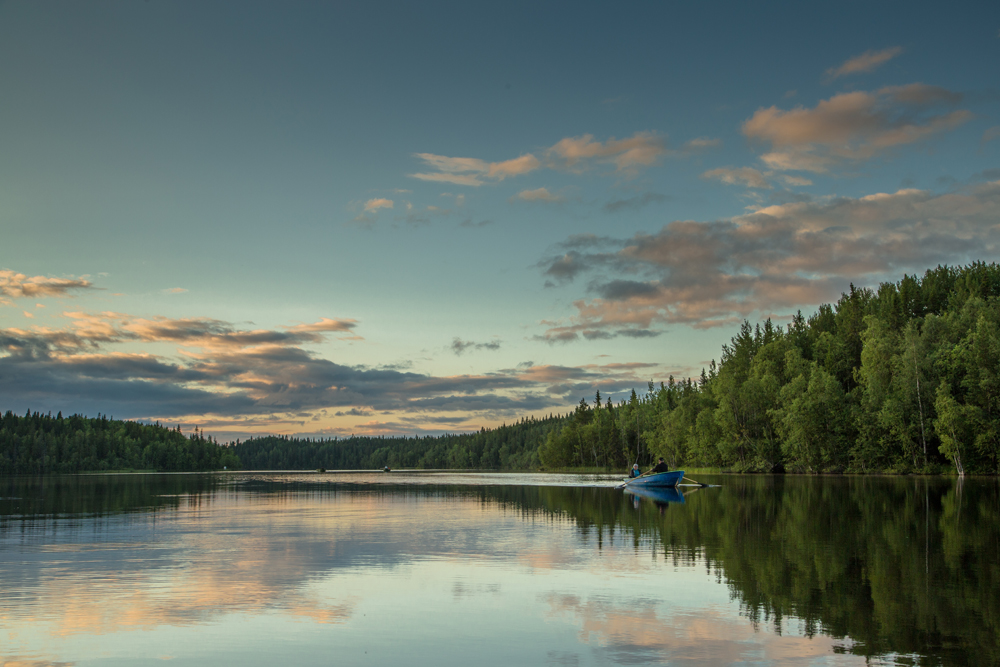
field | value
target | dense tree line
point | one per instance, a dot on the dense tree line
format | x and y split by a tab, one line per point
41	444
901	378
509	447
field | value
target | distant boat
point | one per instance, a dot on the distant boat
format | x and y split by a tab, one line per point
387	469
658	480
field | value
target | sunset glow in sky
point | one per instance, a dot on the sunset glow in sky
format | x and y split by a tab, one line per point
399	218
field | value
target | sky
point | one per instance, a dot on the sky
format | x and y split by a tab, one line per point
329	219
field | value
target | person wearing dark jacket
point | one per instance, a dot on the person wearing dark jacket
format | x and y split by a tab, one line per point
634	472
660	466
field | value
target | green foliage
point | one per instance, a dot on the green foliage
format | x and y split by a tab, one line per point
41	444
905	378
517	446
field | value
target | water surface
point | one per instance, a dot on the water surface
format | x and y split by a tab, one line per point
444	568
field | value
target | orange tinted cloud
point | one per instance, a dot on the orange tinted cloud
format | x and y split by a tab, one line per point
17	286
642	149
747	176
471	171
634	631
777	258
539	194
853	126
376	204
326	324
866	62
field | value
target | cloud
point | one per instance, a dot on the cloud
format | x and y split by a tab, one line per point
635	631
424	215
326	324
354	412
866	62
991	133
19	286
458	346
634	203
515	167
747	176
539	194
576	154
777	258
701	143
174	290
455	179
246	379
643	149
471	171
853	126
566	267
376	204
795	181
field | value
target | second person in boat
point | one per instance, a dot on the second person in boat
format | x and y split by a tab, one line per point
660	466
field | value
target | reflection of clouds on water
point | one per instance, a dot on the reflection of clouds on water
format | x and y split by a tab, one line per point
632	631
232	553
16	661
335	567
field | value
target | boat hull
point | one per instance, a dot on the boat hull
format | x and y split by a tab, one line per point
660	480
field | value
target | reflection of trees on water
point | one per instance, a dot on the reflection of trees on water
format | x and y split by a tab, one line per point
899	565
34	498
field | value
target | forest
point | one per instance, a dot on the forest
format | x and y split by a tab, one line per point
508	447
903	378
36	444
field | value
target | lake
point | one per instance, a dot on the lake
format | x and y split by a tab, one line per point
422	568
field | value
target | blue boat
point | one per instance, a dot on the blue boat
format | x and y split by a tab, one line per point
658	480
659	495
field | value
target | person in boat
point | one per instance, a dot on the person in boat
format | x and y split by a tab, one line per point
634	472
660	466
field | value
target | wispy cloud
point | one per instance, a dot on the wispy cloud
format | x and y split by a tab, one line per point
376	204
539	195
700	143
472	171
866	62
706	274
853	126
15	285
627	156
515	167
459	346
991	133
642	149
748	176
325	325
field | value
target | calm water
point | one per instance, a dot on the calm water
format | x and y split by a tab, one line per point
448	569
